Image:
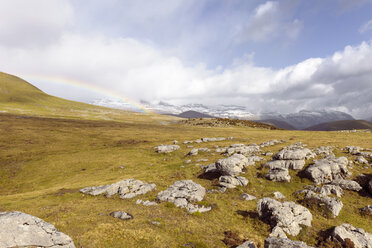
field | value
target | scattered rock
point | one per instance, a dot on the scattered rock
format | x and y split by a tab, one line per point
183	194
279	175
324	150
287	216
367	210
187	161
247	244
128	188
202	160
23	230
121	215
319	196
361	160
287	164
270	143
175	142
347	184
294	153
193	152
242	149
146	203
284	243
232	181
166	148
233	165
354	150
358	236
328	169
278	195
248	197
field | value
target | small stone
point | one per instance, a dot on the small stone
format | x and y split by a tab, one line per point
121	215
278	195
248	197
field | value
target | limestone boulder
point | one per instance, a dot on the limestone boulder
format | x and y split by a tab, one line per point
232	166
166	148
287	216
358	236
284	243
23	230
278	175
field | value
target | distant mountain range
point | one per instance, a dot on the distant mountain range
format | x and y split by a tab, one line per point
300	120
341	125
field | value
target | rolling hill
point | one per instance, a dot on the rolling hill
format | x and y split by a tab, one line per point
341	125
278	124
17	96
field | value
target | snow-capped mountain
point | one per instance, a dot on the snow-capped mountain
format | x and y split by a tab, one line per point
299	120
306	118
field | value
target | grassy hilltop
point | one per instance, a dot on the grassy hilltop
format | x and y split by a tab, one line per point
45	160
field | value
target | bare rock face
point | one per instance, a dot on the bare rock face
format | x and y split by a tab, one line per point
347	184
284	243
232	166
286	216
358	236
328	169
128	188
183	194
279	175
166	148
22	230
121	215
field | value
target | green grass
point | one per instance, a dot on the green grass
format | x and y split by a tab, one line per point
44	162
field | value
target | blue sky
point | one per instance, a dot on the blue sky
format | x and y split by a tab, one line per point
267	55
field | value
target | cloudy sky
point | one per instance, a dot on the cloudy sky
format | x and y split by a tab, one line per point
283	55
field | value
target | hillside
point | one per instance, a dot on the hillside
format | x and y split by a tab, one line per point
341	125
17	96
278	124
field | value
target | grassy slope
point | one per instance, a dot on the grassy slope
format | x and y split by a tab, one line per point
45	161
20	97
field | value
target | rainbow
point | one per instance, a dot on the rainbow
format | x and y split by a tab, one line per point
86	86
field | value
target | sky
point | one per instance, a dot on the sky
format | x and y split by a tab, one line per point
270	56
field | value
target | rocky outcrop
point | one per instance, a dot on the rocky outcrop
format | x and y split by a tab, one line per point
324	150
128	188
272	242
358	236
347	184
146	203
242	149
278	175
23	230
319	196
327	170
361	160
121	215
183	194
284	217
354	150
291	157
231	182
196	151
271	143
232	166
166	148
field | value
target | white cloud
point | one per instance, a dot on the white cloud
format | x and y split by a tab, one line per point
25	23
268	21
365	27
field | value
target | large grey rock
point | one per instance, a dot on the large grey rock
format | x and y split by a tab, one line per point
183	194
166	148
278	175
295	153
287	164
358	236
284	243
232	181
121	215
320	197
287	216
328	169
347	184
232	166
22	230
128	188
